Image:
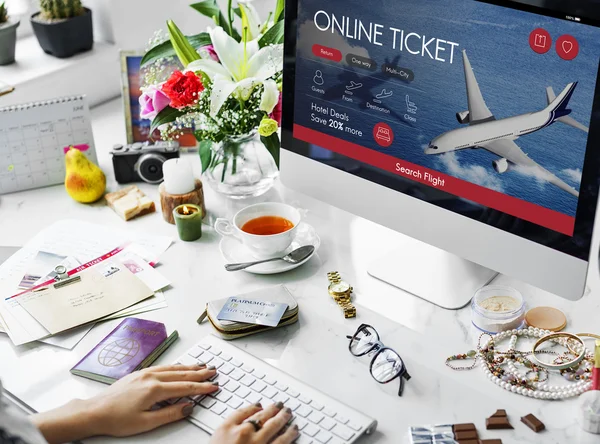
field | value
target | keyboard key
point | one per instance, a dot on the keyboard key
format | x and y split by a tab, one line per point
304	399
281	386
205	346
301	423
218	408
237	374
197	398
293	393
207	402
269	392
231	386
329	412
223	396
247	380
293	404
310	430
303	439
207	417
327	423
258	374
269	380
303	411
217	363
342	419
315	405
234	402
207	357
247	368
315	417
236	362
195	352
343	432
215	351
225	357
242	392
226	369
281	397
228	411
188	360
253	398
259	386
323	437
354	425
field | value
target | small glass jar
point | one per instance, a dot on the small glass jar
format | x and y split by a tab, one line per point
497	308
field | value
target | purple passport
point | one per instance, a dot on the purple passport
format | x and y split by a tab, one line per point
133	345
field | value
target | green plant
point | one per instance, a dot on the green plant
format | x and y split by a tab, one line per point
61	9
3	13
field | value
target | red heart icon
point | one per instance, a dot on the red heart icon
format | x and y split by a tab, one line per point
567	46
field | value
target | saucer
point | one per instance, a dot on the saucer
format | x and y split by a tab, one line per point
233	251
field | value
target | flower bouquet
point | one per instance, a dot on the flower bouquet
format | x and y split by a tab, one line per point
228	92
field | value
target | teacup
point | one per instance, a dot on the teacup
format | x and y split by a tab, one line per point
261	245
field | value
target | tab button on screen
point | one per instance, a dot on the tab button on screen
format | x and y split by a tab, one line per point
361	62
327	53
404	74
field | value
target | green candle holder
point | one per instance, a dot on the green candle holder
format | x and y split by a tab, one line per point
188	218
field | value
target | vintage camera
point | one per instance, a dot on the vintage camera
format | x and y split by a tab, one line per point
142	161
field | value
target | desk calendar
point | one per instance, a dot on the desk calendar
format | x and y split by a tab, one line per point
34	138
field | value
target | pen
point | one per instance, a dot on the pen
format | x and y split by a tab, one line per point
596	370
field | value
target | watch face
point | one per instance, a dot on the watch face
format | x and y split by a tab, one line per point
340	287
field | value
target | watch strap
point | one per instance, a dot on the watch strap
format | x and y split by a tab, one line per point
344	300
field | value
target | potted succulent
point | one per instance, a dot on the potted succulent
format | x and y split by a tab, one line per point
8	36
63	27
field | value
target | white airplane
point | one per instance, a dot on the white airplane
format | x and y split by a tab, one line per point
497	136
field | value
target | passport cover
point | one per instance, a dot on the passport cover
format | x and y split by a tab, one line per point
135	344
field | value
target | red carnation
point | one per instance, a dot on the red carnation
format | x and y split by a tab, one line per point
183	89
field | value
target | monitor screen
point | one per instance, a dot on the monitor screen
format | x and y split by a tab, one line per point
490	109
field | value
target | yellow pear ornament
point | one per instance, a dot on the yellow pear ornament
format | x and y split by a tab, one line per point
85	182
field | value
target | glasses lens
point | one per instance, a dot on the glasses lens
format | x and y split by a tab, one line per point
387	366
363	341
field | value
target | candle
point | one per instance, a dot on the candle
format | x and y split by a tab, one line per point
178	175
188	219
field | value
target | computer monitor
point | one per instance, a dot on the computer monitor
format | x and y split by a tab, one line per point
472	126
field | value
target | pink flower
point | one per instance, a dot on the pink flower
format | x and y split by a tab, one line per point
208	52
152	102
277	111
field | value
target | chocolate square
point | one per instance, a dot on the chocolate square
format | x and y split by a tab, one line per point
463	427
533	423
465	434
497	423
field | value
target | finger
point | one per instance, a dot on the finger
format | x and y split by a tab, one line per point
273	426
167	415
242	414
288	436
264	415
170	390
171	368
186	375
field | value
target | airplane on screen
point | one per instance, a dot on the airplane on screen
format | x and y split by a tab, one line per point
497	136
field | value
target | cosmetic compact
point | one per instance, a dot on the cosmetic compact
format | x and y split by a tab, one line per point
497	308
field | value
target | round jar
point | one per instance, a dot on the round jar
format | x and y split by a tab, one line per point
497	308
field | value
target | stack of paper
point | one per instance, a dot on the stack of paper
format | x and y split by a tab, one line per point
40	314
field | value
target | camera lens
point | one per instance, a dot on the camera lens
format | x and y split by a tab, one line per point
149	167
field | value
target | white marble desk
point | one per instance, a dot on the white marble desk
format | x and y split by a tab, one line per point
314	350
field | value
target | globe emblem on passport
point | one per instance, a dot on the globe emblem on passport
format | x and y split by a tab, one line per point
118	352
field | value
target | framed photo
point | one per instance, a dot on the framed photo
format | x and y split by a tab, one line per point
138	129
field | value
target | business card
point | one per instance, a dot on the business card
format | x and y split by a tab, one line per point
251	311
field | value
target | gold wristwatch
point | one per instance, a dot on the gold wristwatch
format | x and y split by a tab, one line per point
341	292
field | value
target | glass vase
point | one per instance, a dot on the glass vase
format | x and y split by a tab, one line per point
241	167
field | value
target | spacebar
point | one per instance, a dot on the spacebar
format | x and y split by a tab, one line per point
206	417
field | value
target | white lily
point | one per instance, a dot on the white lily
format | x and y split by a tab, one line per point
251	18
242	67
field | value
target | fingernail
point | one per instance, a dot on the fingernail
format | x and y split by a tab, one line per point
201	365
187	410
259	405
211	367
279	405
296	427
288	410
216	383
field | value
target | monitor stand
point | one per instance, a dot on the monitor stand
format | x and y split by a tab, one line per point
432	274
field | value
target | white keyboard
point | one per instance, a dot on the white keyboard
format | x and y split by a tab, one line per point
244	380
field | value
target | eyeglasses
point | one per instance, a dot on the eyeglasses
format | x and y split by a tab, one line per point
386	364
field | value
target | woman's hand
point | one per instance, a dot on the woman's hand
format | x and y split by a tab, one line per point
125	408
271	423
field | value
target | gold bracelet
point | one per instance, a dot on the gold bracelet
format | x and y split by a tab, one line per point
582	335
554	336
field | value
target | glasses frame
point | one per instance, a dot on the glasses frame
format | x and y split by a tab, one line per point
379	347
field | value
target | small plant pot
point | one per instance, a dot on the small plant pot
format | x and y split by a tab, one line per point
8	42
64	38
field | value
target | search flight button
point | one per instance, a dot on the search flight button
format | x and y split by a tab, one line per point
327	53
404	74
361	62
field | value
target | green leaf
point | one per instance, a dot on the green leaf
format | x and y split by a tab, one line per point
273	36
273	146
167	115
238	12
165	49
210	9
186	52
205	151
279	10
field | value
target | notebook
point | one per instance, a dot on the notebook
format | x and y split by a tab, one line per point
34	138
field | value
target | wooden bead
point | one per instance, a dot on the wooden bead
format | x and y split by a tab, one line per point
169	202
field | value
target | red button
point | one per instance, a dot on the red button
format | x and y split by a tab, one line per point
327	53
540	40
567	47
383	134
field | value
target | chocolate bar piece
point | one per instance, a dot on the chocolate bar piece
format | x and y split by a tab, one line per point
466	434
533	423
490	441
497	423
463	427
468	441
500	413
